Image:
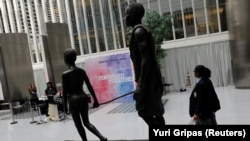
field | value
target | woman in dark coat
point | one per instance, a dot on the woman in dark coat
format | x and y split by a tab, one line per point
203	100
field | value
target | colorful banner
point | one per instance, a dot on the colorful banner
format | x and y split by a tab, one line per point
111	77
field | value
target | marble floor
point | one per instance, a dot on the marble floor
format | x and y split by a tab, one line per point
119	121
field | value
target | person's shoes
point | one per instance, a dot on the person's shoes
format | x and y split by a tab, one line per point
104	139
182	90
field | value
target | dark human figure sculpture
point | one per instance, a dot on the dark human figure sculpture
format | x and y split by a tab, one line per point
149	87
72	82
203	99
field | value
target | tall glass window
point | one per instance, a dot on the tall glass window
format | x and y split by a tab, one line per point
154	5
64	13
99	25
74	27
223	15
108	25
105	28
7	15
82	26
188	17
200	17
178	22
48	11
90	26
14	16
21	16
145	4
124	5
165	9
212	16
56	10
1	24
117	24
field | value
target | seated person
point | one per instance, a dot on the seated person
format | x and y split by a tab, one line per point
32	91
34	100
50	92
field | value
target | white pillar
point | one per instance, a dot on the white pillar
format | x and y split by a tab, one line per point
1	25
159	6
24	16
11	16
95	29
72	41
52	10
148	4
78	25
39	17
86	25
112	24
33	28
5	17
59	4
194	15
183	20
45	14
206	18
17	14
103	26
172	20
122	26
218	14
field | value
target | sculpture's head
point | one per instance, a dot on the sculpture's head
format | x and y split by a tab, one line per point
134	14
69	56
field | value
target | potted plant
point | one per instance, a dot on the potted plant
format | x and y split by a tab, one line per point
161	28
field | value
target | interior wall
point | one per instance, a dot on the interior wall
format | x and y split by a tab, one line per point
179	63
3	89
54	46
17	65
238	23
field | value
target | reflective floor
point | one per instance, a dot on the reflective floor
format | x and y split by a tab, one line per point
119	121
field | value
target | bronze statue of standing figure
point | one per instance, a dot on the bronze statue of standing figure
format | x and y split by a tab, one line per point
148	78
72	82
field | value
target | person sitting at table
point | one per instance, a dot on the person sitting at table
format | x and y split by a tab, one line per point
50	92
33	94
32	91
34	98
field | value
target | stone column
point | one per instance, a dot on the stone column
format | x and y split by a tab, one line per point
239	34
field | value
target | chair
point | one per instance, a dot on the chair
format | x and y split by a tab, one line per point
37	105
17	107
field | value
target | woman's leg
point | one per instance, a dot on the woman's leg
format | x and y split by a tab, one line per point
75	108
79	125
89	126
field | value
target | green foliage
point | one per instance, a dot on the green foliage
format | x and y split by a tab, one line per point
161	27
